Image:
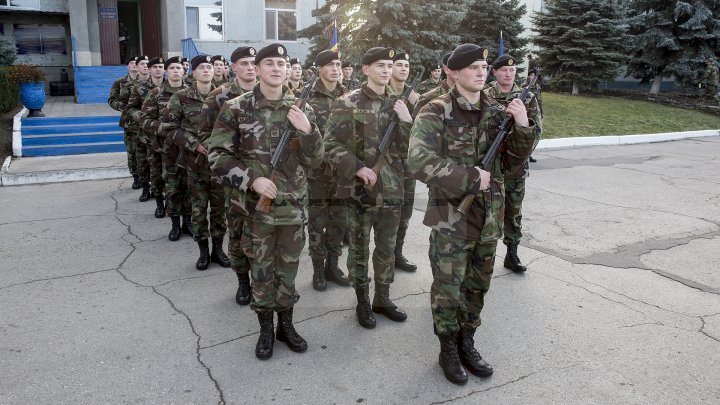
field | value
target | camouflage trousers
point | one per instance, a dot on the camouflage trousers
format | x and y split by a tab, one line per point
385	222
157	184
275	252
327	219
141	157
130	148
203	192
177	195
462	271
514	195
407	209
239	260
711	91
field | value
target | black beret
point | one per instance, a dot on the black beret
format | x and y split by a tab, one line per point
399	55
142	58
218	58
325	57
287	58
465	55
185	60
196	61
532	71
295	61
503	60
156	61
378	53
271	51
436	66
242	52
346	64
132	59
170	61
446	57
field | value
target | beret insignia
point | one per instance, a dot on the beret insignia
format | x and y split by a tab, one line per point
252	51
485	53
391	54
280	50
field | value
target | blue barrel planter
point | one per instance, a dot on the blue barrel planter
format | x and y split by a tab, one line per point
33	97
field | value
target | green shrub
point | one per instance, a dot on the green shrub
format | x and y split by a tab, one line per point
8	52
9	91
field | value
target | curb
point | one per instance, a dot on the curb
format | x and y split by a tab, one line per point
17	131
58	176
615	140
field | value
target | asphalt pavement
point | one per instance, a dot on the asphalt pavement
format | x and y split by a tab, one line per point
620	303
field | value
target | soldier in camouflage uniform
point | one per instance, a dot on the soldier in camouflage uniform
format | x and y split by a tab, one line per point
219	76
442	89
434	80
115	104
710	79
348	81
130	126
242	143
243	59
353	133
136	96
398	79
151	123
185	115
503	90
296	74
154	186
450	135
327	216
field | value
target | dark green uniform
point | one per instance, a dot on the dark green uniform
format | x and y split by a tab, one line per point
137	96
710	78
130	134
428	85
116	104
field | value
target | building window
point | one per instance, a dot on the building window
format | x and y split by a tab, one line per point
281	20
20	3
40	39
204	19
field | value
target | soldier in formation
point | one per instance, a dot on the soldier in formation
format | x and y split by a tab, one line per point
116	104
132	100
710	80
434	80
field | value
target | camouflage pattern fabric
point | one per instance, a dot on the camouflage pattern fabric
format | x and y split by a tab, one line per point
203	192
408	196
239	261
115	100
218	83
428	85
241	145
120	104
351	83
429	96
177	194
711	78
361	222
130	149
327	219
461	271
138	92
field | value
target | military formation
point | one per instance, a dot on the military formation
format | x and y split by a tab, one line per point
270	155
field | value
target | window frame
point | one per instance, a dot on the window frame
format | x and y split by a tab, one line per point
199	6
40	37
277	20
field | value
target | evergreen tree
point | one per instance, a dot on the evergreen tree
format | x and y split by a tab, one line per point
672	38
217	16
581	40
484	21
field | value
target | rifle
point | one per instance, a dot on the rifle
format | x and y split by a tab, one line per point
287	142
503	132
387	137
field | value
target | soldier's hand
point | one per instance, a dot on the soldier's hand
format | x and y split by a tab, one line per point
402	111
413	98
484	178
517	109
299	120
265	187
201	149
367	175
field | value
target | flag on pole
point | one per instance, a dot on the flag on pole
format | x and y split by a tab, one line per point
502	44
334	40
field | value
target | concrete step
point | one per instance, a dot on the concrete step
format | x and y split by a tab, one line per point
73	149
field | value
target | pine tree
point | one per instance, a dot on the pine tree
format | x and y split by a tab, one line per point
484	21
581	40
217	16
672	38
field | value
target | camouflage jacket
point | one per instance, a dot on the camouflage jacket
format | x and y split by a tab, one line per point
495	94
450	136
114	97
350	84
321	100
218	83
242	143
211	108
138	93
123	98
352	135
152	112
429	96
711	75
428	85
181	124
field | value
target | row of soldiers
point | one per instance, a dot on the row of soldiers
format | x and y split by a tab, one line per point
214	145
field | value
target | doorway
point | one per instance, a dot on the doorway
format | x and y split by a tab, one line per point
129	29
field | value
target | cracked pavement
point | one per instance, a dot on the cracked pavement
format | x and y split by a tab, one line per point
621	302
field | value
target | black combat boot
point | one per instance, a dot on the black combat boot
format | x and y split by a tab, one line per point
382	304
187	225
160	210
470	357
264	347
512	261
402	263
242	297
204	260
145	193
175	230
334	274
286	332
532	159
450	359
363	312
319	283
217	255
136	182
